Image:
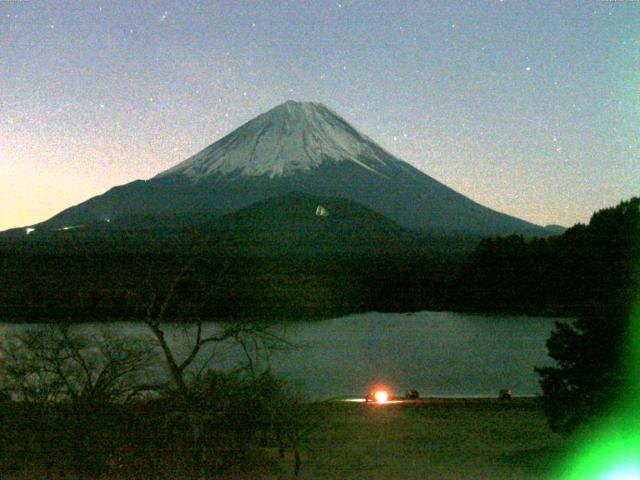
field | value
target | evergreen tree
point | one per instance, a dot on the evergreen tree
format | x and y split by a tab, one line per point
590	370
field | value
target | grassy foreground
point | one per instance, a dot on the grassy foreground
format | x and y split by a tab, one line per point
429	439
439	439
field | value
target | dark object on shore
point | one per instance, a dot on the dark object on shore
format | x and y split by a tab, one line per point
505	394
413	394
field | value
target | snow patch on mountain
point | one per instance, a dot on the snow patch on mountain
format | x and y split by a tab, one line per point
291	137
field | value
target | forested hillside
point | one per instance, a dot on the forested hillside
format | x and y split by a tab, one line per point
315	272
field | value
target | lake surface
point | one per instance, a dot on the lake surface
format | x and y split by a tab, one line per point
437	353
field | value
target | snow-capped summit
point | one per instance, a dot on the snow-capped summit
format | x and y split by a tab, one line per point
292	136
294	147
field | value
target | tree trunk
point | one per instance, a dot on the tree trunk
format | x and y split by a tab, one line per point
296	465
199	451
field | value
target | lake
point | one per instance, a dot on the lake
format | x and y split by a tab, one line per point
437	353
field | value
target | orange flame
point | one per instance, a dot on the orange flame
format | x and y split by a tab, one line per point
381	396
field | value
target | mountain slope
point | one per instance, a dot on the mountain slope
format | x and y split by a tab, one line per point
291	137
306	223
303	147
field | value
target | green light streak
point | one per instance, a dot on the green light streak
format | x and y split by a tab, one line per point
610	448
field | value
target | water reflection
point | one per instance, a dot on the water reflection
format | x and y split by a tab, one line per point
436	353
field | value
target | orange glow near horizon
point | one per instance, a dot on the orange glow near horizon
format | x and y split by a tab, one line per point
381	396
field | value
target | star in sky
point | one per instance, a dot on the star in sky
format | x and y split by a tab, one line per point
473	89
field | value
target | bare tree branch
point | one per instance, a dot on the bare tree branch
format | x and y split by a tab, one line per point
52	363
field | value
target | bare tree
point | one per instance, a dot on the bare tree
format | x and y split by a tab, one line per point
55	363
254	338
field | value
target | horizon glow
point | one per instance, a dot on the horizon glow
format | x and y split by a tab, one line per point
529	108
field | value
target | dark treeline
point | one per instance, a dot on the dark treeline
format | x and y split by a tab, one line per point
596	355
587	270
74	279
107	287
103	281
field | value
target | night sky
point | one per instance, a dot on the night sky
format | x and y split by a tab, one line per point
530	108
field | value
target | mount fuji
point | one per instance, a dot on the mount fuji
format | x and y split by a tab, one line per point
295	147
